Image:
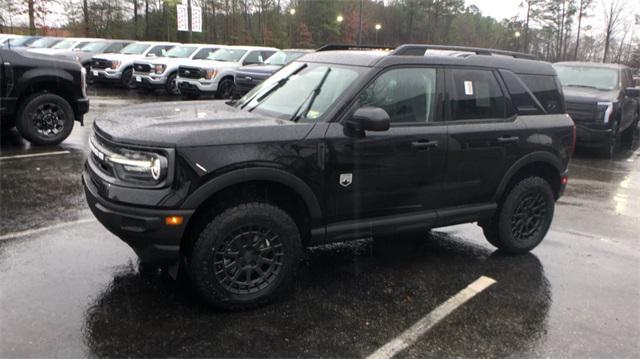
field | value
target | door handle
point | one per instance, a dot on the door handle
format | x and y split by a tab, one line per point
421	144
508	139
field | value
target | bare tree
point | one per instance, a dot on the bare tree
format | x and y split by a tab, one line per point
582	11
612	17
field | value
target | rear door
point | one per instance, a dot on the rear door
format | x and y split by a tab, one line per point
484	135
398	171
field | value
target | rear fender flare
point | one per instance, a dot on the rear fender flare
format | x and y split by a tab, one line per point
544	157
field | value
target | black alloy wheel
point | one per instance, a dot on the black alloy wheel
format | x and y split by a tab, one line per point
45	119
226	88
529	216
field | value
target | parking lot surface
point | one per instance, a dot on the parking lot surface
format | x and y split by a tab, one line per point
70	288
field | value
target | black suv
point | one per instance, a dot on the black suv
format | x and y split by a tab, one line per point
603	101
337	146
249	76
41	96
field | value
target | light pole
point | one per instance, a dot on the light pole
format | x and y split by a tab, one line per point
292	11
517	36
378	27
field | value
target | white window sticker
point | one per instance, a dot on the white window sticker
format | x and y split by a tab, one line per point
468	88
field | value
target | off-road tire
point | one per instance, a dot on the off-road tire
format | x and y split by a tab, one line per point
505	229
37	104
215	241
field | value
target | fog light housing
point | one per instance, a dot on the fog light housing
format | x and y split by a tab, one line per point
173	220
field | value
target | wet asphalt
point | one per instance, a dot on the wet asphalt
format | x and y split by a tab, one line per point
69	288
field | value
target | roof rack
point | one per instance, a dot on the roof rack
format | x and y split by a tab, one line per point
419	50
334	47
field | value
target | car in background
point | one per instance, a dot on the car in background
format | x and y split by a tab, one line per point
43	43
84	54
41	95
603	102
161	73
4	38
118	68
19	42
247	77
68	44
215	75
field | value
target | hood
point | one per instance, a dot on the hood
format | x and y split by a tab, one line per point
163	60
588	95
209	64
47	51
261	69
121	57
194	123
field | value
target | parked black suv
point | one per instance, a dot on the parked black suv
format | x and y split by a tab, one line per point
339	146
603	101
249	76
41	96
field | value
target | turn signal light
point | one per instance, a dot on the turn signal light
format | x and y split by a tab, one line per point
173	220
564	180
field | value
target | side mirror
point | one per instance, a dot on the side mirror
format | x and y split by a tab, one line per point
632	92
368	119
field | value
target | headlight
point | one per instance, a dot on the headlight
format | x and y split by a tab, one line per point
604	111
83	80
137	167
211	73
159	68
115	64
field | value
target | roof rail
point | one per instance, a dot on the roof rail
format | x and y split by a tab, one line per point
419	50
333	47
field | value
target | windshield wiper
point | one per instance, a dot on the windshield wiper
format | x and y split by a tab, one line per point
311	98
585	86
271	90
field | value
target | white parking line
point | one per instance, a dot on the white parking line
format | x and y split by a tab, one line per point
35	155
29	232
411	335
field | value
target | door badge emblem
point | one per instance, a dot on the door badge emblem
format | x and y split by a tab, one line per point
346	179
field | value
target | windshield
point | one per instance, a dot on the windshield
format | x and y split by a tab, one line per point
281	58
181	51
22	41
95	46
288	92
232	55
66	44
44	42
135	49
588	76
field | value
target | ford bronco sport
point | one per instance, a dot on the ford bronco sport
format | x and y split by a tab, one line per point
336	146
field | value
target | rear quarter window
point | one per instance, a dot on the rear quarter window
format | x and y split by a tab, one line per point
547	90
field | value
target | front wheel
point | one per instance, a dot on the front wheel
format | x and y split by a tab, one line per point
607	148
45	119
245	256
171	87
89	75
523	217
127	79
626	136
226	88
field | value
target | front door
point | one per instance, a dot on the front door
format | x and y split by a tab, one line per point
397	171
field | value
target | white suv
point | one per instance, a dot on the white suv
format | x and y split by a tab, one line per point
215	75
119	67
151	74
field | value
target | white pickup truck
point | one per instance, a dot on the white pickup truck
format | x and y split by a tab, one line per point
161	73
118	68
215	75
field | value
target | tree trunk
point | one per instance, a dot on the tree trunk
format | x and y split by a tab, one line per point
85	15
526	28
135	19
146	19
32	23
580	11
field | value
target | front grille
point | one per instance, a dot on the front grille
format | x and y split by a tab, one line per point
582	112
100	64
191	72
143	68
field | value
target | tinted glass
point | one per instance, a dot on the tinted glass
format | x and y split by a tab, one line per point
204	53
160	50
547	91
408	95
475	95
115	47
521	98
254	57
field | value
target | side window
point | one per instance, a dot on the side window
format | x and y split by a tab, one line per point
474	95
547	91
408	95
160	50
521	98
254	57
204	53
113	48
267	54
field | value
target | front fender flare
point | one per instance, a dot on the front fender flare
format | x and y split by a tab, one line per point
257	174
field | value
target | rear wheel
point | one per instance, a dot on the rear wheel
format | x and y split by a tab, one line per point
245	256
45	119
523	217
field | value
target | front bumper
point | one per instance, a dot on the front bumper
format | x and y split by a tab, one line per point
106	75
586	136
191	86
150	81
143	229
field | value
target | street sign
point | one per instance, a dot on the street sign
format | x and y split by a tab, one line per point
183	17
